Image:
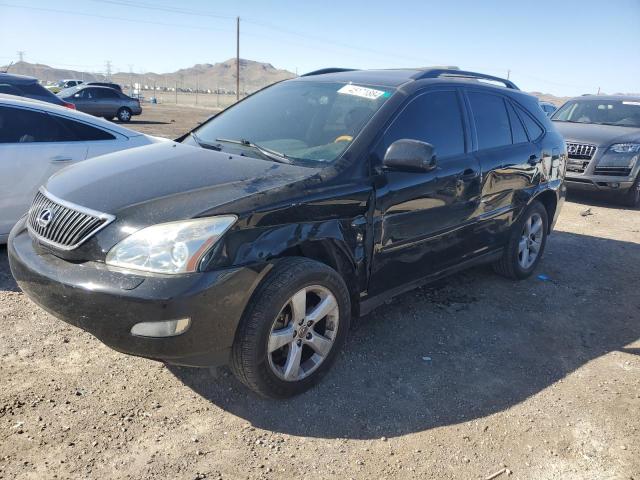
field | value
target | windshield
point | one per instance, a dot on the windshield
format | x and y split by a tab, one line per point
301	120
68	92
624	113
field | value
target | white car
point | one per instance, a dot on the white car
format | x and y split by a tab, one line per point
37	139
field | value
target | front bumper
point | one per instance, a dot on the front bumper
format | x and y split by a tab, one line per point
598	183
108	303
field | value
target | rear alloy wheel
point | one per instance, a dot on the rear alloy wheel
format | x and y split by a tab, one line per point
124	114
527	240
293	328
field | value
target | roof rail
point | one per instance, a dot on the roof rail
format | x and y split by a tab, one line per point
327	70
447	72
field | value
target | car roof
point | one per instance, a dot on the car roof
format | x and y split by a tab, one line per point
633	98
17	79
401	76
12	100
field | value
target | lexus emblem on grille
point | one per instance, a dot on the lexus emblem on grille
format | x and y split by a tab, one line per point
571	149
45	218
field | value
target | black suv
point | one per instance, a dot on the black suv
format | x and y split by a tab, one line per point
29	87
254	239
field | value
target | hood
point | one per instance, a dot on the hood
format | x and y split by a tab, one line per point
169	181
600	135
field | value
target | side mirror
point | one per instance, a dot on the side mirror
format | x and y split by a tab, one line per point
410	155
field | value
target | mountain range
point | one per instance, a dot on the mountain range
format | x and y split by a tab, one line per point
253	75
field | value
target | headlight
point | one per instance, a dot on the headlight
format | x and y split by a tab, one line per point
625	148
623	155
175	247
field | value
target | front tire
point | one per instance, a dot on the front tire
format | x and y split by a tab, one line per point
294	327
124	114
526	244
632	196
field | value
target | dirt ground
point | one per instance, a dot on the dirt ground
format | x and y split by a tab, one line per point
538	379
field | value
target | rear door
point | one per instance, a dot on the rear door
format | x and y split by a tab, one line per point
507	159
422	219
107	102
33	145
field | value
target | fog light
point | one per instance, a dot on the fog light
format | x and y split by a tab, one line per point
166	328
614	185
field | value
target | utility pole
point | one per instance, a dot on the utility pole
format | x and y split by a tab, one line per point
598	91
237	59
108	69
21	55
197	87
508	74
176	93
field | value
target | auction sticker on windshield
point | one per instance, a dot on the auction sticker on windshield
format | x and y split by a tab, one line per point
364	92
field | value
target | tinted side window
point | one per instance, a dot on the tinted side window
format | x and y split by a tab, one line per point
518	133
82	132
491	120
103	93
18	125
434	118
531	125
10	89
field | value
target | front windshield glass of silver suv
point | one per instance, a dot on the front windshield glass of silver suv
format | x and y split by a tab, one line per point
625	113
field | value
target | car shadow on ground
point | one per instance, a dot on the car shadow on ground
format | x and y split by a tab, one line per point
7	283
474	345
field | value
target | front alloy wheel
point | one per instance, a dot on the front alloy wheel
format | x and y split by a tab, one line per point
293	328
303	333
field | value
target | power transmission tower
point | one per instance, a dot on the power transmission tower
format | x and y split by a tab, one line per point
21	54
108	69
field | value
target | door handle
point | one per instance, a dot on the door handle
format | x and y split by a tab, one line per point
534	159
468	174
61	158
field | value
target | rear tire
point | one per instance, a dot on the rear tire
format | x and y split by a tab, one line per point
293	328
632	196
124	114
526	244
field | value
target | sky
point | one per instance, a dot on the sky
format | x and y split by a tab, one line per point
554	46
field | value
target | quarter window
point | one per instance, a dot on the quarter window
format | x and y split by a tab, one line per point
435	118
532	126
491	120
518	133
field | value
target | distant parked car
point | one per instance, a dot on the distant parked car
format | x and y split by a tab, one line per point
102	102
37	139
62	84
115	86
603	144
29	87
548	108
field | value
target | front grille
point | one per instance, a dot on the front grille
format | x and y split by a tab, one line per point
580	154
62	224
613	171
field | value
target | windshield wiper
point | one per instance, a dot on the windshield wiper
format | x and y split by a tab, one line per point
267	152
203	144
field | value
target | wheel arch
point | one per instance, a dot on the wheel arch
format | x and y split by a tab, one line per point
549	200
335	255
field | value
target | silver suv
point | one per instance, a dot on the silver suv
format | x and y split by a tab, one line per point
603	144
